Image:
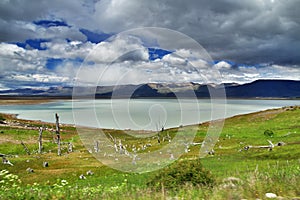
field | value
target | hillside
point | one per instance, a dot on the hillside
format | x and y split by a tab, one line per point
256	89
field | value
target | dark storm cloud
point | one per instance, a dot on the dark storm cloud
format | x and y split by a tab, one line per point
243	31
21	10
19	19
263	35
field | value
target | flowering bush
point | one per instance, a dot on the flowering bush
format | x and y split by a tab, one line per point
8	180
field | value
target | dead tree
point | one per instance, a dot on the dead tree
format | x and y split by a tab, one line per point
115	142
269	147
40	140
25	148
157	130
134	159
57	131
168	138
96	147
121	147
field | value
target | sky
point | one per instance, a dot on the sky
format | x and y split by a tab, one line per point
46	43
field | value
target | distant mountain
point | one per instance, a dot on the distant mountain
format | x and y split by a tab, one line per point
265	89
256	89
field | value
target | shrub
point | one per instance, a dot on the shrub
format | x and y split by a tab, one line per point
268	133
180	173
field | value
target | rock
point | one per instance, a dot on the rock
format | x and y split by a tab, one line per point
280	144
246	148
212	152
270	195
232	180
82	177
29	170
89	173
45	164
229	186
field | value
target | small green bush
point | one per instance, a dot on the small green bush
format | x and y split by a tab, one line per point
180	173
268	133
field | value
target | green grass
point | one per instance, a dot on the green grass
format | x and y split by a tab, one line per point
259	171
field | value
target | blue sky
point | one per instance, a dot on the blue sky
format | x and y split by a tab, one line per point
44	44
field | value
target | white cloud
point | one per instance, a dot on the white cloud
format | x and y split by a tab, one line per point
29	65
39	78
134	67
60	32
63	49
10	50
222	65
128	48
244	74
14	58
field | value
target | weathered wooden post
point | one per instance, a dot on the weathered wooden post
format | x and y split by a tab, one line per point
57	131
25	148
40	140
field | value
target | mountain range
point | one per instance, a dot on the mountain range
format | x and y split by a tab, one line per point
256	89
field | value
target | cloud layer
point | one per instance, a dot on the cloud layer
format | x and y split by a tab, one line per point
44	43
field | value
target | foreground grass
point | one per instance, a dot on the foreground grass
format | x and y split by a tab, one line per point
255	172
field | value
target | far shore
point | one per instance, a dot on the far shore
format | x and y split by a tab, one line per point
23	100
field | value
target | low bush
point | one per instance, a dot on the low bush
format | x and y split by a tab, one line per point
268	133
180	173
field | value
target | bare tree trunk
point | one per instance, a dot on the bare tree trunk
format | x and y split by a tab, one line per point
25	148
40	140
96	146
115	142
58	134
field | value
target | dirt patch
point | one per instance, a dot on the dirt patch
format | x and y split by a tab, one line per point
13	140
7	139
23	101
266	115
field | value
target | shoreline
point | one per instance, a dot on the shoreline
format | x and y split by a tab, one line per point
12	120
27	101
18	100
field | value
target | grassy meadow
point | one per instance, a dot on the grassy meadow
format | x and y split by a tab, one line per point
230	173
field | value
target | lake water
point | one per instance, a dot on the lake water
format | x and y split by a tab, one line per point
142	114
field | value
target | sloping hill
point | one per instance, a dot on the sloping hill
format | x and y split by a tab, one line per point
256	89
